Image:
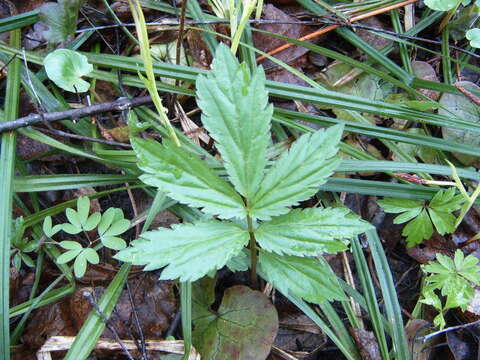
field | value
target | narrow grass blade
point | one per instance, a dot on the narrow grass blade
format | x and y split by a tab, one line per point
373	309
361	44
19	21
186	309
34	183
7	161
307	310
390	297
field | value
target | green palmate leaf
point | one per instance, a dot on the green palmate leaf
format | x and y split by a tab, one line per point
189	250
236	113
66	68
296	174
61	18
186	178
310	231
302	277
438	211
453	278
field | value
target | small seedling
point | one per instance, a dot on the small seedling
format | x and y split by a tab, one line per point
21	246
452	279
252	205
109	225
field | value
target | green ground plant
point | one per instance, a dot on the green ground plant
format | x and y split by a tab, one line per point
109	226
253	207
451	279
423	216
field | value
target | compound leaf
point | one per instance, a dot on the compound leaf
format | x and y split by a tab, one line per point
310	231
453	277
296	174
66	68
421	214
186	178
236	113
302	277
189	250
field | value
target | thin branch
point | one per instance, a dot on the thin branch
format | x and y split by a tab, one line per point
453	328
121	104
84	138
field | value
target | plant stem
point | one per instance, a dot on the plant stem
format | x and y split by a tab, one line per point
253	254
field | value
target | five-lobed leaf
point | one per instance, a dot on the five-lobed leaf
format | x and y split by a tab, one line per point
189	251
297	173
453	277
310	231
186	178
421	215
303	277
236	113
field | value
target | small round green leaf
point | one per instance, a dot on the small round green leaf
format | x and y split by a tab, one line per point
66	67
441	5
474	36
